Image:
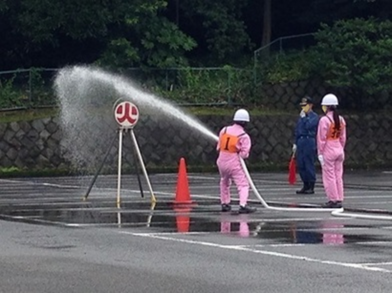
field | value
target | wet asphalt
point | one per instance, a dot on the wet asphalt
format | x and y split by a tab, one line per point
52	240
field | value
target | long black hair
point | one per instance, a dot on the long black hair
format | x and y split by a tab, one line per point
336	118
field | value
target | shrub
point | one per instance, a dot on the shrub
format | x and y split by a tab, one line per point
356	53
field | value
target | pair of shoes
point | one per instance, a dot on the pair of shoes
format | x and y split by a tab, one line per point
308	188
338	204
305	191
246	210
328	205
308	191
226	207
332	205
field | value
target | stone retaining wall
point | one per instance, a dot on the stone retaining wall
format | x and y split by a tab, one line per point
39	144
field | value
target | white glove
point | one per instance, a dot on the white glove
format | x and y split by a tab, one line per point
294	148
302	114
321	160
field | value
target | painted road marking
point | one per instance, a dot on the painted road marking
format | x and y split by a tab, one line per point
263	252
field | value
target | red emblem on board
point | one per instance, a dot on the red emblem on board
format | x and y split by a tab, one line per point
126	114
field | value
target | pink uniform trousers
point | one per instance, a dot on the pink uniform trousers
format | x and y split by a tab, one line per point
230	168
332	151
332	172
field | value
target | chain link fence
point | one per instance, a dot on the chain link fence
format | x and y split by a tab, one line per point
201	86
277	47
33	88
29	89
26	88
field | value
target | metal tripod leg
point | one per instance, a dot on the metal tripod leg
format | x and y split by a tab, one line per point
153	199
120	138
100	168
137	171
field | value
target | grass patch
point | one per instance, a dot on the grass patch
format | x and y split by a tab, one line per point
33	114
27	115
25	172
228	111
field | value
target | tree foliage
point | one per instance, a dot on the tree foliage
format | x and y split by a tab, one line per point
119	32
148	39
353	50
216	25
356	53
158	33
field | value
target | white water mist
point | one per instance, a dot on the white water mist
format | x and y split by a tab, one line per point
86	96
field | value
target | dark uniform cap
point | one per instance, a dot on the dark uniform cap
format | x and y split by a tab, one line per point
305	101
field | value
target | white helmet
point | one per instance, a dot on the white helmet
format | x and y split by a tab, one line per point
241	115
330	100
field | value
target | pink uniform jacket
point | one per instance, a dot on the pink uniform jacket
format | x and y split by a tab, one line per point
229	162
330	144
325	141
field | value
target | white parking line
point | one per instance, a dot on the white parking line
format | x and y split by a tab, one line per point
275	245
377	263
373	242
203	177
264	252
20	182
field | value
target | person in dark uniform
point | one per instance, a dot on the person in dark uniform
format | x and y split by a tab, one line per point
304	147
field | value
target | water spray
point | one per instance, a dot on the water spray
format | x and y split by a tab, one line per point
73	83
126	115
83	80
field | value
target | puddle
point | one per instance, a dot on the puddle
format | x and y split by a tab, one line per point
204	217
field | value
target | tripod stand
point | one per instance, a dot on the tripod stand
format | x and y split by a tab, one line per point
137	155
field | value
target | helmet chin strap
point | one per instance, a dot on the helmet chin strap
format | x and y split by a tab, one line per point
242	123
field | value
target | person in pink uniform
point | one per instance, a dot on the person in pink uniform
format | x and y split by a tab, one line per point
234	143
331	140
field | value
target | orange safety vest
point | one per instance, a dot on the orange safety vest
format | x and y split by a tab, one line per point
228	142
333	133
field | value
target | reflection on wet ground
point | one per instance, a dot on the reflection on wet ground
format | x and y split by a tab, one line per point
54	201
203	217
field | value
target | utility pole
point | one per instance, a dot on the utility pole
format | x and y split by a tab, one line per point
266	38
178	13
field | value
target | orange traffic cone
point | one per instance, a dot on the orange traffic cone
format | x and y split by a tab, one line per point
182	219
182	191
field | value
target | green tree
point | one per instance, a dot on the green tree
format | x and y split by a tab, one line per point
148	39
121	32
266	37
356	53
216	26
329	11
53	33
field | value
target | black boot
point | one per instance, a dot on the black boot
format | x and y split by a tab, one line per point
310	189
332	205
226	207
246	210
302	190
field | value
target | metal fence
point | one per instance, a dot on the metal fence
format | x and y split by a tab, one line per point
280	46
26	88
201	86
32	88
